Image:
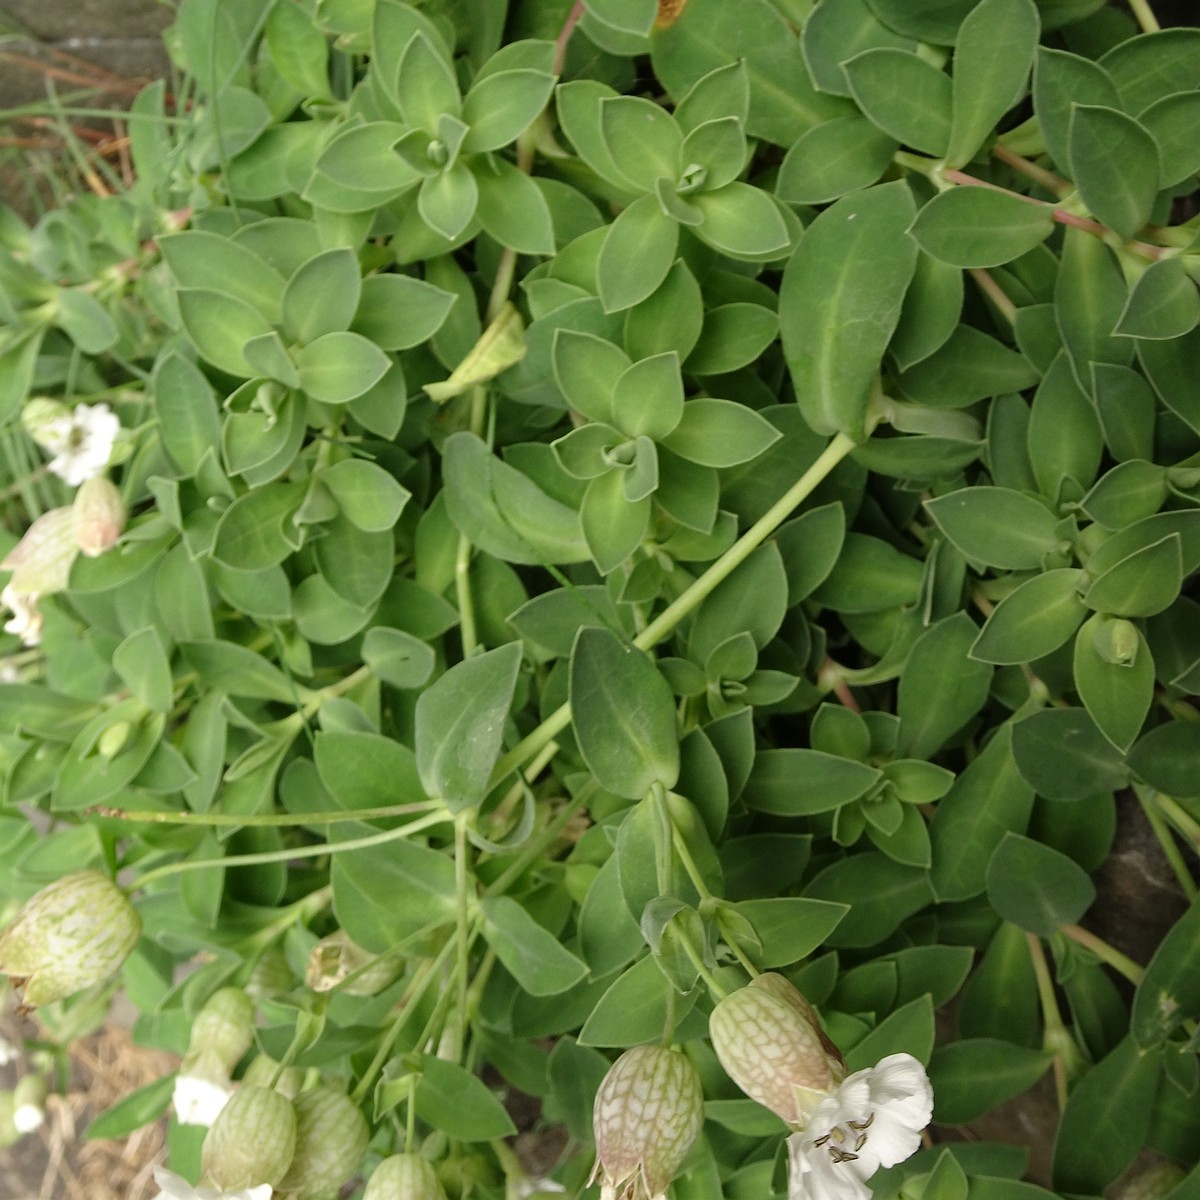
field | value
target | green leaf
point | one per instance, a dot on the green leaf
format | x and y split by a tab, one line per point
1117	695
613	525
1141	585
623	715
459	1103
1151	66
908	1030
1171	122
238	671
1060	81
1163	303
971	1076
209	262
969	366
84	320
397	657
997	526
365	770
903	95
1168	758
425	85
460	725
1033	620
366	494
840	302
930	313
835	33
1089	297
741	221
798	782
1106	1120
338	367
881	894
871	575
512	208
397	312
1169	993
719	433
219	326
638	251
993	55
141	661
635	1008
132	1112
500	106
670	318
647	398
529	951
322	296
447	201
833	158
642	139
980	227
383	895
941	688
988	800
629	16
1036	887
789	928
1114	163
1063	756
187	411
937	22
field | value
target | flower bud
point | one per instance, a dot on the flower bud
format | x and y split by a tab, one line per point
73	933
336	957
649	1110
99	515
770	1042
331	1137
224	1026
42	417
1116	640
251	1142
270	976
404	1177
29	1104
41	561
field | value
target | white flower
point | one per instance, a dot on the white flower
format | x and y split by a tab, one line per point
199	1098
872	1119
175	1187
26	620
8	1052
28	1117
80	442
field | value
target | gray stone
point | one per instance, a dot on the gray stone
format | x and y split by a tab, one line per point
82	20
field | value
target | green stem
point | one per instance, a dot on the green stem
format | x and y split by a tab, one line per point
995	293
462	893
532	850
689	863
710	980
1051	1015
1162	831
734	945
154	817
665	622
1144	17
1182	820
1105	953
287	855
664	836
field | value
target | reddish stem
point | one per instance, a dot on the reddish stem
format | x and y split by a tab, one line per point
560	45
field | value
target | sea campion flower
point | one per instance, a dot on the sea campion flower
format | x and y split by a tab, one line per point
331	1137
404	1177
845	1127
222	1033
649	1110
75	932
335	957
40	564
873	1119
175	1187
29	1103
99	515
81	442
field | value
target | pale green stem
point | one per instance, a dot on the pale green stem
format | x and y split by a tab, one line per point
1144	17
995	293
463	897
293	852
462	594
407	1006
710	980
1105	953
665	832
1182	820
1051	1015
689	863
153	817
1162	831
666	621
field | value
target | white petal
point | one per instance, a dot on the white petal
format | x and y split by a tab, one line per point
174	1187
28	1117
199	1100
813	1175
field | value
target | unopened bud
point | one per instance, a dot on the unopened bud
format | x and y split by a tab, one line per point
114	739
331	1137
99	515
770	1042
270	976
42	417
224	1026
649	1110
29	1103
41	561
1116	640
336	957
404	1177
251	1142
73	933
